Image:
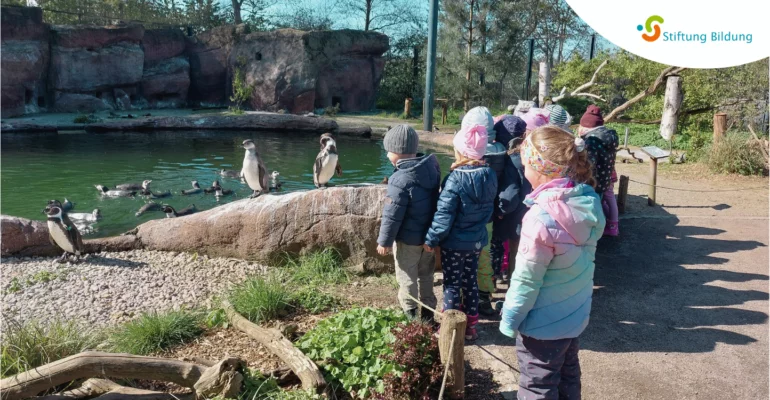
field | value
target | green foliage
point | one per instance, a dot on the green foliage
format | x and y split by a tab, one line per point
736	153
257	386
350	347
216	318
85	119
332	110
575	106
242	90
260	299
314	301
31	344
647	135
14	286
317	268
153	332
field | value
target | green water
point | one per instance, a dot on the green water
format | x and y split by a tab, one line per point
39	167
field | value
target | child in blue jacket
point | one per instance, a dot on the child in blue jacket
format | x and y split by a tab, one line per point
465	206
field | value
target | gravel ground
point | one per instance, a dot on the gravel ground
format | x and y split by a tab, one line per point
108	288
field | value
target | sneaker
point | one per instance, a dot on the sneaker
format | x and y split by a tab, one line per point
485	309
612	229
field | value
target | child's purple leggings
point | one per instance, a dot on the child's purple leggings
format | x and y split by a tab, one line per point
610	204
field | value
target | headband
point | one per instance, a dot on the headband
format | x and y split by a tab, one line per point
536	161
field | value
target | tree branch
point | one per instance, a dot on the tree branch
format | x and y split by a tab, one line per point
584	86
644	93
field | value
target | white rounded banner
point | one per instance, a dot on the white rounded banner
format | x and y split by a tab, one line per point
684	33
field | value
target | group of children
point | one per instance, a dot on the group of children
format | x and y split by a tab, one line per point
549	196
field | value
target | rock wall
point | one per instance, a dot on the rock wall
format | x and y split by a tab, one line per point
344	217
87	68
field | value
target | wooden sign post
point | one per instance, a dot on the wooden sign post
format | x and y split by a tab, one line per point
407	107
655	153
720	125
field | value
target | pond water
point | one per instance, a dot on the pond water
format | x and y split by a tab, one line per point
39	167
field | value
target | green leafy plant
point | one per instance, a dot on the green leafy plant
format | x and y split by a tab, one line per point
314	301
241	89
14	286
351	347
737	154
85	119
332	110
317	268
260	299
153	332
216	318
30	344
418	364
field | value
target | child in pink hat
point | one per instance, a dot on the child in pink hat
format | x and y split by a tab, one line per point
459	226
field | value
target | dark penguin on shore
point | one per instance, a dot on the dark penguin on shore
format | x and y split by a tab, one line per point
171	213
151	206
63	233
254	171
145	185
196	188
327	162
106	192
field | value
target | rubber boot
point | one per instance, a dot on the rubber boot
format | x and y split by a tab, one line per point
470	329
485	305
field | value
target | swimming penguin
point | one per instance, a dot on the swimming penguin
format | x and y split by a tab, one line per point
63	233
106	192
327	162
219	191
155	195
212	188
254	171
86	217
67	205
171	213
151	206
195	190
228	173
275	183
145	185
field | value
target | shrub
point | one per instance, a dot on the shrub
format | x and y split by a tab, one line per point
314	301
260	299
153	332
85	119
350	347
241	90
737	154
318	268
31	344
332	111
418	364
575	106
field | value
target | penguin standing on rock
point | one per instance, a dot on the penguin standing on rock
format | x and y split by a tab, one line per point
254	171
63	233
327	162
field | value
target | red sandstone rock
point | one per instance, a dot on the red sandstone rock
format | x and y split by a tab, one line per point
25	237
23	23
24	68
80	70
166	84
91	38
162	44
208	54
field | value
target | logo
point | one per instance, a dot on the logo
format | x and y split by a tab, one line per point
649	27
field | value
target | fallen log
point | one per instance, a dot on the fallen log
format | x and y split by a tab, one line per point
305	368
106	389
126	366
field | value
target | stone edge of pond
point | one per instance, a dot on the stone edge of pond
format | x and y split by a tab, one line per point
252	121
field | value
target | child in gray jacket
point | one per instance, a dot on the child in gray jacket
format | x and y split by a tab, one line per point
413	192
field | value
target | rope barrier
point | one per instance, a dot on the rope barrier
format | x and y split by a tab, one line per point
446	367
699	191
425	306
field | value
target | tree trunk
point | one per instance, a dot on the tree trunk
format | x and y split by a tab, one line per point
672	103
644	93
415	70
720	126
483	52
467	91
305	368
368	16
237	11
544	83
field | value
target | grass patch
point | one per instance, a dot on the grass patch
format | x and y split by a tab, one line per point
260	299
31	344
85	119
153	332
736	153
314	301
318	268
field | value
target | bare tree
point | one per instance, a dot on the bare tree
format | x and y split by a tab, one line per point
380	15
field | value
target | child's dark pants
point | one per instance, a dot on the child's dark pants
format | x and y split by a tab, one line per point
460	269
550	369
496	255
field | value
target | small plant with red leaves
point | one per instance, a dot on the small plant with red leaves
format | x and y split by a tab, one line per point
418	364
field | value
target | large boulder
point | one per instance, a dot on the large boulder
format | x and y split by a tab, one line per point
95	37
24	237
82	103
345	217
165	84
161	44
25	59
208	54
81	70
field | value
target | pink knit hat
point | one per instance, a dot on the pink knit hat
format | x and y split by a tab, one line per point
471	142
535	118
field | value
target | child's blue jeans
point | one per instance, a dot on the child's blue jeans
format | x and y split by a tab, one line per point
460	277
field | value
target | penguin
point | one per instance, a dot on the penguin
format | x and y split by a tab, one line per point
254	171
86	217
384	181
106	192
195	190
145	185
67	205
212	188
151	206
228	173
327	162
154	195
171	213
275	183
63	233
219	191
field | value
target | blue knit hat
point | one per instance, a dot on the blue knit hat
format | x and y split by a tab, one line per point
509	127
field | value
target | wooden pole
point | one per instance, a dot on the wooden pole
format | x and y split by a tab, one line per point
653	181
430	68
444	106
451	321
622	194
720	125
544	83
672	103
408	107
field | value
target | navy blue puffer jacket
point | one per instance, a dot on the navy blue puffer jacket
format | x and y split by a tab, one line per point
465	205
411	201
